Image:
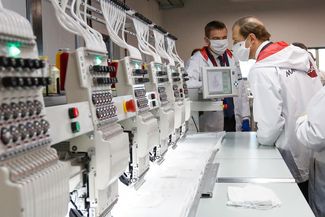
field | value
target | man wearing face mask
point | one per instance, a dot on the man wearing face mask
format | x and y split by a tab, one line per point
283	80
236	117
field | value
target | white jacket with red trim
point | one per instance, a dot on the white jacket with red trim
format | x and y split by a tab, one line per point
283	81
311	131
194	70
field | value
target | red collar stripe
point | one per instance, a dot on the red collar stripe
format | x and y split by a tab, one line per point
205	55
229	53
271	49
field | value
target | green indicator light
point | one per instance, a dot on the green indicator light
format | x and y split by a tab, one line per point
137	66
98	61
75	127
13	49
78	127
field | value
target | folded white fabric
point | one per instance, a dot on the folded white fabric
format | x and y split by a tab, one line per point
252	196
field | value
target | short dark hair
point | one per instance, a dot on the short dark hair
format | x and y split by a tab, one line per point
301	45
251	24
212	26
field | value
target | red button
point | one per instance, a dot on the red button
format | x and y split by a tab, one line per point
73	112
129	106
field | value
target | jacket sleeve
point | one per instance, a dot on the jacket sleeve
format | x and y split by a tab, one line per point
311	127
267	105
193	69
243	97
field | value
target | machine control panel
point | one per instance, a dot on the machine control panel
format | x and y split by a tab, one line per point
98	82
185	79
136	79
22	119
177	85
31	176
161	79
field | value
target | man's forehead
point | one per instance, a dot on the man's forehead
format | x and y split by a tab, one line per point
215	32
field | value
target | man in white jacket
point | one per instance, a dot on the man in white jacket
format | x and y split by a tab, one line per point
236	117
311	132
282	81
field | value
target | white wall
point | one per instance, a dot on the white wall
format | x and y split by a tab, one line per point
54	36
149	8
289	20
18	6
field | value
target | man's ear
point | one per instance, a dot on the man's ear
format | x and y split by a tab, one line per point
207	41
253	38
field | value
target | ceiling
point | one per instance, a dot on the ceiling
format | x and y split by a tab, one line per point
170	4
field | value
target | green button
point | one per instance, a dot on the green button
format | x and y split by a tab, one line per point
75	127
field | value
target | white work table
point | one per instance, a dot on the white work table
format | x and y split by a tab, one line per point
244	145
241	161
253	170
293	203
172	188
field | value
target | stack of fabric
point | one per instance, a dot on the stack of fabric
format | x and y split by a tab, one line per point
252	196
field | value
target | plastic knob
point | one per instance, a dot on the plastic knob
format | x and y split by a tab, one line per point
41	64
4	62
28	81
20	63
29	63
10	82
6	136
15	133
12	62
35	81
23	131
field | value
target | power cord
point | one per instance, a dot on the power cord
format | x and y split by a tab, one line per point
197	129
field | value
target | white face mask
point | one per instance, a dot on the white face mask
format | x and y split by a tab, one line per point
240	51
219	46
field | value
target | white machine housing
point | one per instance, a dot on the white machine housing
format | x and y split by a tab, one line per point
33	182
177	99
108	146
186	99
133	79
165	115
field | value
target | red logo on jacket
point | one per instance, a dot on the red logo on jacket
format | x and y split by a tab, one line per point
312	71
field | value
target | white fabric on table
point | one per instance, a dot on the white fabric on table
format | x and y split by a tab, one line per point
252	196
